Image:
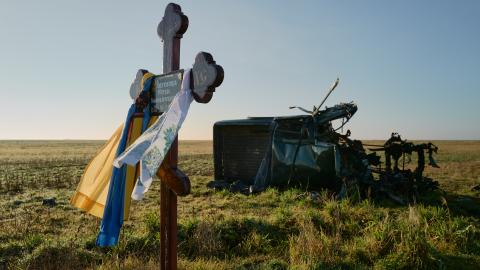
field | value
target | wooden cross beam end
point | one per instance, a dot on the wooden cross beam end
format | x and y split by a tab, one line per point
207	75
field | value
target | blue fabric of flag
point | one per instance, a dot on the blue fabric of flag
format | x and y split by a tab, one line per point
112	220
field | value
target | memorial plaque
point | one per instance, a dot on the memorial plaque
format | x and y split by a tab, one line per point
164	89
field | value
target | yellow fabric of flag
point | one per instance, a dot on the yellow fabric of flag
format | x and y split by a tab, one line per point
92	190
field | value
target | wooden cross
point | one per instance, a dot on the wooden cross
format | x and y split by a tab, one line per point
206	75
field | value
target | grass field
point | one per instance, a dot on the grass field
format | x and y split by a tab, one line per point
219	230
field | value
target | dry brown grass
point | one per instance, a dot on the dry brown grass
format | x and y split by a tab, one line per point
220	230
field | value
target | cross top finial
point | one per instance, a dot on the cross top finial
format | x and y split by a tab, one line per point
174	23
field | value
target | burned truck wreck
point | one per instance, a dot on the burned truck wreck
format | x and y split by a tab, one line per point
306	151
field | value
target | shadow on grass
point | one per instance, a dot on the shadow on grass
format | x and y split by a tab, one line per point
230	238
465	205
467	262
458	204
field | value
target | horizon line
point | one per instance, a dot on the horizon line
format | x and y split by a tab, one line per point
361	139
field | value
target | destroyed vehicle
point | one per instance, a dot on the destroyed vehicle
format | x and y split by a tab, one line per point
307	152
280	151
259	152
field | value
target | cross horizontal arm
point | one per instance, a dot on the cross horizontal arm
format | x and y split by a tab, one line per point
207	75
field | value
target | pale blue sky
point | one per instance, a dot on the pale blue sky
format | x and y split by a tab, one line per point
411	66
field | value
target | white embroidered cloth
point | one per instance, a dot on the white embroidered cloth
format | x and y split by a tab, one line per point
152	146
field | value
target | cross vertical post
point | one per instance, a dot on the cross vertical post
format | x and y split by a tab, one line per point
206	75
170	30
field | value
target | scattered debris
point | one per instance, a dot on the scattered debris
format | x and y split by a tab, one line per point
51	202
315	196
402	185
17	202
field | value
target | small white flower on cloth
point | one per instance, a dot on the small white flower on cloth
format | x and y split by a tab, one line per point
152	146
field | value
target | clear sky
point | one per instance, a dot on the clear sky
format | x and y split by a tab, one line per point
411	66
